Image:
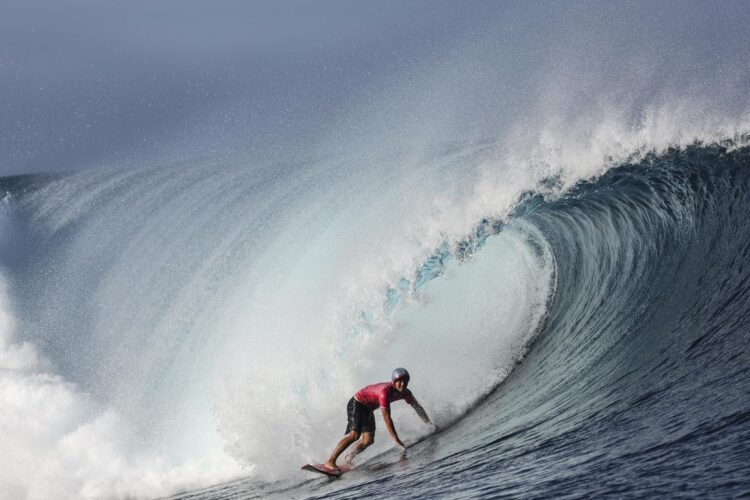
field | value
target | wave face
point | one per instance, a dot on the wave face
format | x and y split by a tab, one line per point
202	323
637	383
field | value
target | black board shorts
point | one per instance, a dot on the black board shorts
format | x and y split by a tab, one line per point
361	418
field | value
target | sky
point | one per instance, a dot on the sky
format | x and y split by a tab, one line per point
89	82
86	84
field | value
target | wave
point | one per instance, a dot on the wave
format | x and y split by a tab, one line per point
207	321
635	383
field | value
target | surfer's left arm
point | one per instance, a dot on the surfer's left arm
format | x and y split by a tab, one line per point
420	411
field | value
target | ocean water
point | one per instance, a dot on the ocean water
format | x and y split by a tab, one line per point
166	330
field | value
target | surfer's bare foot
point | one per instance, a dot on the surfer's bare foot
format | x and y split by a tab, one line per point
331	466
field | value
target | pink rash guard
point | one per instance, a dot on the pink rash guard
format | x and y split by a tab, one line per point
382	395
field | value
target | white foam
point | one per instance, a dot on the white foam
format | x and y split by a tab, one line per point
62	444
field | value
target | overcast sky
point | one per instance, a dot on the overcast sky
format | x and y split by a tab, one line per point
90	83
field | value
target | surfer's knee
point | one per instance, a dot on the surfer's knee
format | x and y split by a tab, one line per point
367	439
353	436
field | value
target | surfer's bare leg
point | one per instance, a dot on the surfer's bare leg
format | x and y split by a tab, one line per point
343	444
366	440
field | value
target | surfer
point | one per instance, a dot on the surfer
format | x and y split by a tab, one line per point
361	417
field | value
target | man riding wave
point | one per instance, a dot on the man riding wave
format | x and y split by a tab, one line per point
361	417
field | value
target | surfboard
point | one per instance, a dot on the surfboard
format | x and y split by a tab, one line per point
323	470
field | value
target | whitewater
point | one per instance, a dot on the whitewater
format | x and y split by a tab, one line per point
565	276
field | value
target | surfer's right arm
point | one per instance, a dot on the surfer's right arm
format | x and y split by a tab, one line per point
389	425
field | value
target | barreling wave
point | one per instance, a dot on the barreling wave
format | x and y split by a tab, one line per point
205	322
637	382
